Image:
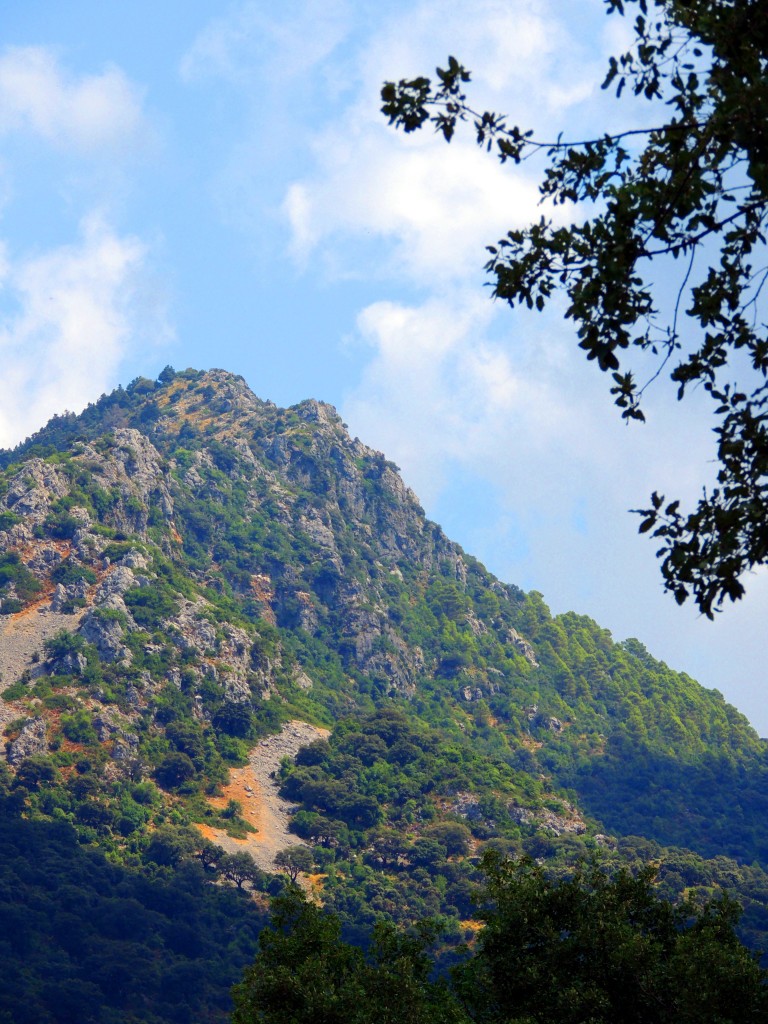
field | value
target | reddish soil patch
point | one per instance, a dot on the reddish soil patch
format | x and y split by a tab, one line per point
255	789
246	790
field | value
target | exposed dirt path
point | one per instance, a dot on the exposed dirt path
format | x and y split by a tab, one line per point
254	787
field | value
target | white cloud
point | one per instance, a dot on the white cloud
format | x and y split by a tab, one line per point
437	213
84	113
436	208
251	41
442	389
6	186
456	385
419	394
75	313
70	314
516	50
308	79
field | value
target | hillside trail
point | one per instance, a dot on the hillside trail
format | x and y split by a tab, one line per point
254	787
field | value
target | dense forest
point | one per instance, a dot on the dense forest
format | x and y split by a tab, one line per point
590	947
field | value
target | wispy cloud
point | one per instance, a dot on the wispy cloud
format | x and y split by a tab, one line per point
70	313
253	41
446	385
434	211
435	208
77	312
85	113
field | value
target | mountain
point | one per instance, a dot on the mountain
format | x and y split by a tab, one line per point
199	589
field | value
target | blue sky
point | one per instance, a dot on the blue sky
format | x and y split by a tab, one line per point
211	184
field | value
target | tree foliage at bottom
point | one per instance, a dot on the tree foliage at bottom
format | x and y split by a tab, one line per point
304	971
603	948
590	948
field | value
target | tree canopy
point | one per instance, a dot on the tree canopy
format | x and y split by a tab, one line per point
591	947
305	972
602	948
687	196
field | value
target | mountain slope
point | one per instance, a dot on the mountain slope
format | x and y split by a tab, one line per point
185	568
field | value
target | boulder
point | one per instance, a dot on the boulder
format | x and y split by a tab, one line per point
31	740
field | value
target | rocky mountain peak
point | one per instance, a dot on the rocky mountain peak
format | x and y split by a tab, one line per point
186	568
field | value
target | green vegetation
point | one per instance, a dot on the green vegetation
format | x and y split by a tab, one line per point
16	577
83	939
591	947
401	813
305	973
601	948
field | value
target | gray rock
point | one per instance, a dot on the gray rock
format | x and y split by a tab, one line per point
318	531
72	663
107	636
31	740
115	584
124	747
522	646
135	470
302	680
549	821
132	696
111	725
134	560
32	490
64	596
467	805
195	632
548	722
